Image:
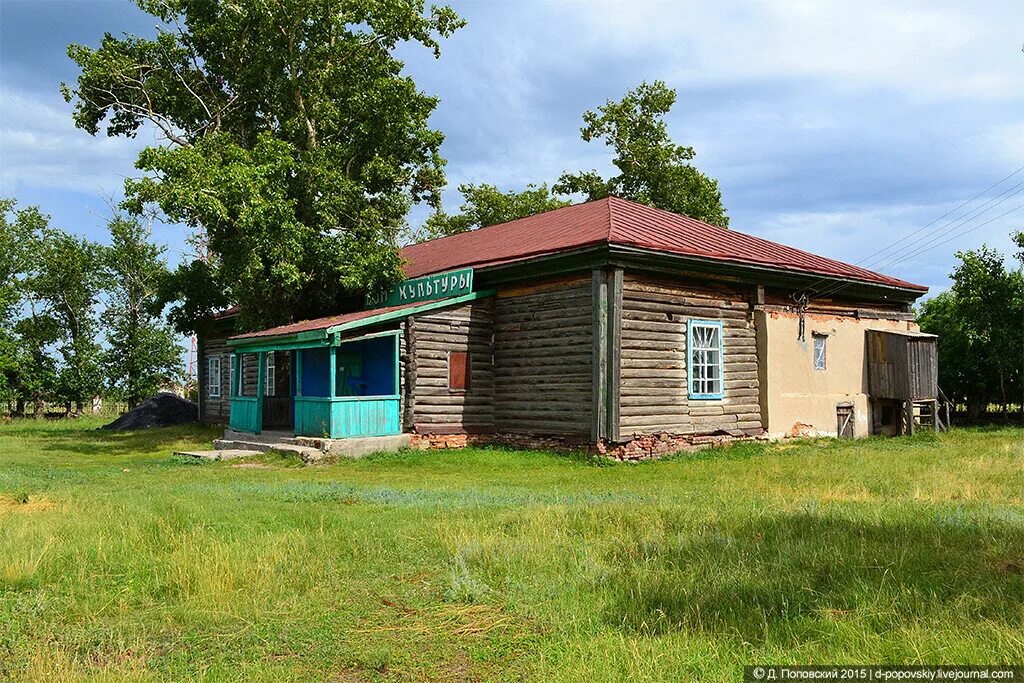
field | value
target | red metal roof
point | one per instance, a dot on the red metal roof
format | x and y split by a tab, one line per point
321	323
620	222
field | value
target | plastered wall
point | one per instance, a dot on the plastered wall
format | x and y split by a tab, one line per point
796	399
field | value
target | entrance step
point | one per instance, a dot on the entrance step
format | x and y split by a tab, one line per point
305	452
360	446
225	454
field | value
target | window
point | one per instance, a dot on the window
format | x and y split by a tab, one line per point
819	351
704	359
458	371
270	377
213	376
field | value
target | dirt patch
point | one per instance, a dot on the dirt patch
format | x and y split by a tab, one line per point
19	505
162	410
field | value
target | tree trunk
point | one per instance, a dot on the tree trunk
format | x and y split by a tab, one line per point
975	406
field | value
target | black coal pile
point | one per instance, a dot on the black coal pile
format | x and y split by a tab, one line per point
162	410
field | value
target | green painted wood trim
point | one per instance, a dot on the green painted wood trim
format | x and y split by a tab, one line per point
257	344
337	339
298	373
577	260
332	378
599	358
398	368
637	259
329	336
261	379
615	277
413	310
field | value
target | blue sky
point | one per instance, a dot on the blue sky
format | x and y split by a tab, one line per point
835	127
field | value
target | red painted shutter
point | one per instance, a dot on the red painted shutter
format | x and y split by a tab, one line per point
458	371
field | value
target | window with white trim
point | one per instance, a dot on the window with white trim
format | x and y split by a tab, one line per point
704	359
269	380
819	350
213	376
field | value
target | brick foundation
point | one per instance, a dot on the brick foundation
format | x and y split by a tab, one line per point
641	447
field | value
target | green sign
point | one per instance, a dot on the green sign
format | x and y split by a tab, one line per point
439	286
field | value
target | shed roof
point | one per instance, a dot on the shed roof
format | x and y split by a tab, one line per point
616	221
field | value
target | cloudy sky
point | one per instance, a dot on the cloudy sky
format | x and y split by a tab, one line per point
838	127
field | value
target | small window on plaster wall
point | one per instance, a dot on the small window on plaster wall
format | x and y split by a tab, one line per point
820	350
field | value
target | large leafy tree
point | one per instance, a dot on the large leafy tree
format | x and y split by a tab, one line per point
28	371
290	136
64	281
142	351
12	223
653	169
981	339
485	205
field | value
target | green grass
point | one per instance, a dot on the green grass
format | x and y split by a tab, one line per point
120	561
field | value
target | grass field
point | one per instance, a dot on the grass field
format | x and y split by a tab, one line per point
119	561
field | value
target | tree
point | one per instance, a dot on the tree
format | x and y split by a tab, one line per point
485	205
981	336
63	283
142	353
653	170
27	331
10	297
291	137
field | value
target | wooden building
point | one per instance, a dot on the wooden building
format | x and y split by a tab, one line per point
606	324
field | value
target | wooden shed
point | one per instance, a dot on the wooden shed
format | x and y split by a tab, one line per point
903	367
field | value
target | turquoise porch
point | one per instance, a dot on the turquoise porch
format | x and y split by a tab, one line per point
338	387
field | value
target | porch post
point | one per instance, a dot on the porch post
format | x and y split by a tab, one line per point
298	372
333	365
398	364
261	378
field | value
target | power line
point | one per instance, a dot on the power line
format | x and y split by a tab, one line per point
922	228
952	225
929	247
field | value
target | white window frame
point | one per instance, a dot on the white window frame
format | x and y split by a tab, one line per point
213	378
701	356
819	360
270	374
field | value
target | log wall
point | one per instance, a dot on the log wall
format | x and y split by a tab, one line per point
431	407
542	358
215	410
654	396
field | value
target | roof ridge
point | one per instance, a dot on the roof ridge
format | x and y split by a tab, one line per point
611	217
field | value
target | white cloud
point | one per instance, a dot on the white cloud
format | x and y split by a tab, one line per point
925	49
40	147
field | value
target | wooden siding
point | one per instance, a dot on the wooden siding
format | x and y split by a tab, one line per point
215	410
430	405
543	358
902	366
654	396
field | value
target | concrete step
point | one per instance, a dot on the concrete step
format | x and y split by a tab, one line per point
312	442
305	452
